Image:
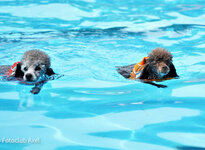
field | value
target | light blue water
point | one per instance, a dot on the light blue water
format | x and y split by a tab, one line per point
92	107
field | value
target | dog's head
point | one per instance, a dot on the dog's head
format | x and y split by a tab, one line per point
159	65
34	65
160	60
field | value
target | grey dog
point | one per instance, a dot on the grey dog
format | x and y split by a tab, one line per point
33	68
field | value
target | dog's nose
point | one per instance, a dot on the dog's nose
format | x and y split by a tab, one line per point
28	77
165	68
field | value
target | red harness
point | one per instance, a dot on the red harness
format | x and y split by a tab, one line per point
13	68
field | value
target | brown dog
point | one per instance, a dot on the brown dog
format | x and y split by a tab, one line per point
157	66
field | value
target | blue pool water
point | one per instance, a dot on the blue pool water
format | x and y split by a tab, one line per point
92	107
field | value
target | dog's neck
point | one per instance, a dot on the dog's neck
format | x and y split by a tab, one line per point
162	75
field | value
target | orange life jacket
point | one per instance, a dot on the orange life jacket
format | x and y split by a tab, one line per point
13	68
138	68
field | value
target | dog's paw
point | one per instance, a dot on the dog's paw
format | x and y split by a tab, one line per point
35	90
161	86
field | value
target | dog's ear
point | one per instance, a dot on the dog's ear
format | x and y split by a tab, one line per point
146	72
18	72
172	72
49	71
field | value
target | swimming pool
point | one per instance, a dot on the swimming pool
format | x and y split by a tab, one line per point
92	107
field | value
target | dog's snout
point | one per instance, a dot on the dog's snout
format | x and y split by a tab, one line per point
165	68
29	77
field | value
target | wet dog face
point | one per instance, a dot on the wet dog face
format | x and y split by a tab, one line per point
34	65
160	68
33	72
160	61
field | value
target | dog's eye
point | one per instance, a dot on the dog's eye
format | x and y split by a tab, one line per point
25	68
37	68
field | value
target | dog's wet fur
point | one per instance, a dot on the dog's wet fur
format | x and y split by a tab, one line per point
34	65
158	66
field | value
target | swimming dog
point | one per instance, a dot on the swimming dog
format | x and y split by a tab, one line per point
157	66
33	68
